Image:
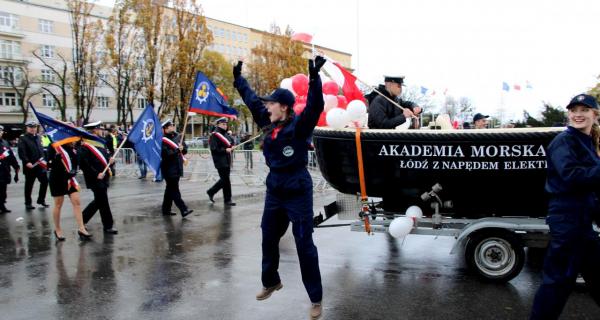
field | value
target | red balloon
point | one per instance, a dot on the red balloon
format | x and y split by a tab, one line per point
299	107
342	102
300	84
330	87
301	99
322	120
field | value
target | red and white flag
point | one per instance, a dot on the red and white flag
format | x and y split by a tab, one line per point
344	79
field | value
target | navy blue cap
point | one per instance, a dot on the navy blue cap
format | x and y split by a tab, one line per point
583	100
394	79
283	96
479	116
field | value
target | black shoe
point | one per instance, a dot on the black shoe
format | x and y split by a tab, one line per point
85	237
171	213
29	207
210	197
43	204
111	231
229	204
186	213
144	177
4	210
57	237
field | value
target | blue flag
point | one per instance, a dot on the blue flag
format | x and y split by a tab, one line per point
209	100
61	133
424	90
146	135
505	86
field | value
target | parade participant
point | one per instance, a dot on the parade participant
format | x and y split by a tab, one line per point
62	161
480	121
7	160
93	159
221	144
112	143
171	169
573	176
383	114
289	185
31	154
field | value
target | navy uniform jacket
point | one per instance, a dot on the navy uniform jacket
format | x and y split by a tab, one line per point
172	160
385	115
30	149
219	141
573	175
92	166
7	160
286	148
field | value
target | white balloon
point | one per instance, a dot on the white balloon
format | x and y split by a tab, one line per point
414	212
356	109
331	102
400	227
405	125
287	84
337	118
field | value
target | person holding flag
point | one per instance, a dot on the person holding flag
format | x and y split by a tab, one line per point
7	160
289	185
94	160
31	154
172	169
221	144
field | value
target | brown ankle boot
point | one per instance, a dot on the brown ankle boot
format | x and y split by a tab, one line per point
315	310
266	292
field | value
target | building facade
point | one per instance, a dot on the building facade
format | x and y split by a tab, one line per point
42	27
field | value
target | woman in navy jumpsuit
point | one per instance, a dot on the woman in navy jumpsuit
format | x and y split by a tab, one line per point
289	185
573	177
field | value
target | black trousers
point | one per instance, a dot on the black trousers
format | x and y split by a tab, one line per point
3	186
223	183
172	194
100	203
30	176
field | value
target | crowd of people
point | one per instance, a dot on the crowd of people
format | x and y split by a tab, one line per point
573	175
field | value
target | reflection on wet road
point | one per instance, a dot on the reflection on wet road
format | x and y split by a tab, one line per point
208	267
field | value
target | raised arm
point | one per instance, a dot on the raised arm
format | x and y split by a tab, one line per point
257	107
314	101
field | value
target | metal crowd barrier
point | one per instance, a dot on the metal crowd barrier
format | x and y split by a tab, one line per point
248	167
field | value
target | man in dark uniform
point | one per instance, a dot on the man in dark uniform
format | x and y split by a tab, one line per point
171	169
221	144
480	121
383	114
93	159
7	160
31	153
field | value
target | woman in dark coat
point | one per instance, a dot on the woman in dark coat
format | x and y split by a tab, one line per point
63	168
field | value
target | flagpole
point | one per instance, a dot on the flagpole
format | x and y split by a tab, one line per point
381	94
114	155
187	115
249	140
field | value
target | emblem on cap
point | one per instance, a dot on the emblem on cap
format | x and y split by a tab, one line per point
288	151
581	98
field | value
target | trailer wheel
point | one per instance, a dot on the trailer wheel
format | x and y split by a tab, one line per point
496	256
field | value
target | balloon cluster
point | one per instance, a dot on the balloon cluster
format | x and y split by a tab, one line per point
402	226
338	112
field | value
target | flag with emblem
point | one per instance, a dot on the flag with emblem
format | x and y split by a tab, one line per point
61	133
209	100
146	136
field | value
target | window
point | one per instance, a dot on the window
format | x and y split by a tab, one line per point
46	26
47	51
102	79
10	76
48	100
9	99
47	75
102	102
8	21
10	49
141	103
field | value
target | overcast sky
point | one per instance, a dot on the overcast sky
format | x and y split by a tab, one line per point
469	47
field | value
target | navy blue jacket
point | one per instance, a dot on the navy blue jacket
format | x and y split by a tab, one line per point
219	141
286	148
171	165
7	160
92	166
573	172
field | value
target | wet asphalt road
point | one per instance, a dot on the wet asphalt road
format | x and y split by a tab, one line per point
208	267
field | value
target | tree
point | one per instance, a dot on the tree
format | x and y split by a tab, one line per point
124	49
86	55
552	116
595	91
275	58
57	79
17	78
